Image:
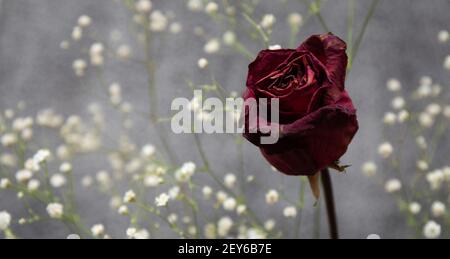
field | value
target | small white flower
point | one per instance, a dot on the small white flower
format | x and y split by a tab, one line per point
295	20
443	36
124	52
398	103
394	85
98	230
230	180
84	21
369	169
447	63
229	38
224	226
5	220
175	28
23	176
434	109
211	8
5	183
148	151
162	200
65	168
426	120
290	212
268	21
141	234
55	210
202	63
87	181
432	230
221	196
153	181
275	47
73	236
207	192
129	197
195	5
33	185
185	173
172	218
422	165
385	150
58	180
421	142
403	116
212	46
158	21
241	209
393	186
174	192
143	6
438	209
229	204
270	225
9	140
272	197
390	118
447	112
77	33
446	173
435	179
123	210
42	156
415	208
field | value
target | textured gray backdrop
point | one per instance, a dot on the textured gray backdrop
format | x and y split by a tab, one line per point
400	42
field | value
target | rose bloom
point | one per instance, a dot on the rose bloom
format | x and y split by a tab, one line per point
317	118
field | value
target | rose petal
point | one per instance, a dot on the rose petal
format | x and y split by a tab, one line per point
331	51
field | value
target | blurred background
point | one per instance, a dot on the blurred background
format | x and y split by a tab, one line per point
401	42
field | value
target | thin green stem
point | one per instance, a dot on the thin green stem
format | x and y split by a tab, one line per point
259	29
350	30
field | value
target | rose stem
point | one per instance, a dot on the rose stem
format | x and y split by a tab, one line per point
329	201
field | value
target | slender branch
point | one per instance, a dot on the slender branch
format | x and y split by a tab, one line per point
350	30
360	37
329	202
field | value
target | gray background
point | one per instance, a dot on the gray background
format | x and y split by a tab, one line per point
400	42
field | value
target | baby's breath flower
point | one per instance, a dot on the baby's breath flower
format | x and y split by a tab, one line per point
426	120
224	226
275	47
24	176
207	192
211	8
42	156
270	224
77	33
268	21
185	173
435	179
124	52
210	231
403	116
447	63
175	28
174	192
272	197
221	197
398	103
133	233
8	160
172	218
295	20
195	5
432	230
415	208
87	181
73	236
212	46
123	210
434	109
447	112
115	202
241	209
229	204
162	200
9	140
230	180
5	183
84	21
229	38
143	6
33	185
443	36
290	212
153	181
438	209
202	63
446	173
390	118
65	168
394	85
385	150
158	21
98	230
55	210
393	185
129	197
58	180
5	220
369	169
422	165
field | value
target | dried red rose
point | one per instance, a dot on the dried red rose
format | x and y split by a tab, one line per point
317	118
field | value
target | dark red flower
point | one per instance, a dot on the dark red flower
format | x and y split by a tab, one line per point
317	117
